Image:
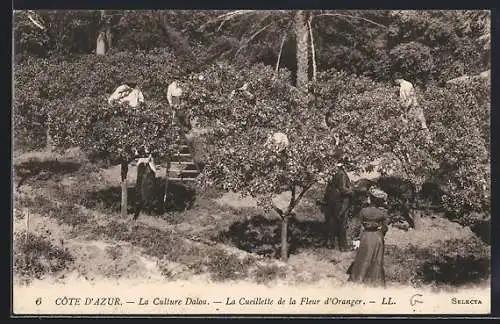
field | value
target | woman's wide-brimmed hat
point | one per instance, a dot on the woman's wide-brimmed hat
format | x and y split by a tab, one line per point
377	193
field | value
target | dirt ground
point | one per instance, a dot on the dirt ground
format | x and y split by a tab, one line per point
190	245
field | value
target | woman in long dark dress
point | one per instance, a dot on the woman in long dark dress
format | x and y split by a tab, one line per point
368	265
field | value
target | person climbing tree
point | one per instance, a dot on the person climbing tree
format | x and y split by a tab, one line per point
410	104
128	93
179	112
173	94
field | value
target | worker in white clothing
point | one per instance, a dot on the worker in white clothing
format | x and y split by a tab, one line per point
408	99
128	93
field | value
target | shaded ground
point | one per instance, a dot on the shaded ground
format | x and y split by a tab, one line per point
218	238
179	196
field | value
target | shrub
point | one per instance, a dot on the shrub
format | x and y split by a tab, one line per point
267	273
455	262
224	266
64	213
412	59
459	118
35	256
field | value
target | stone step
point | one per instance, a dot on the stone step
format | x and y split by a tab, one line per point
182	163
181	158
184	171
181	179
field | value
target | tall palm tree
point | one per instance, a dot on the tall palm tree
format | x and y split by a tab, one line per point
282	20
302	39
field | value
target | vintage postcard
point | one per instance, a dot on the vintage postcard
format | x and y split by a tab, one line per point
251	162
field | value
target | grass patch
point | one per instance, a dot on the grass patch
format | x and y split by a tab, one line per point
64	213
35	170
449	262
453	262
168	246
36	256
179	198
225	266
268	272
256	235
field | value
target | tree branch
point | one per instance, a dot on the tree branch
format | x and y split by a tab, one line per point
292	198
251	38
349	16
281	46
278	210
234	14
225	17
313	52
296	200
279	54
36	23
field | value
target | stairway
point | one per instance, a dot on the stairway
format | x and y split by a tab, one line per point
182	166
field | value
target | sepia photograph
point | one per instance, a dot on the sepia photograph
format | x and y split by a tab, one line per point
251	162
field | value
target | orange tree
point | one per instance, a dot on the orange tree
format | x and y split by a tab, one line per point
368	116
459	117
240	124
67	99
42	84
114	132
365	117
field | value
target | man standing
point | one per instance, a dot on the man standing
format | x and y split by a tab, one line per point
336	202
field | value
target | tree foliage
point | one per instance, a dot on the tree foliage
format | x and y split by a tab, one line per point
241	125
367	115
60	85
422	46
459	118
53	88
114	132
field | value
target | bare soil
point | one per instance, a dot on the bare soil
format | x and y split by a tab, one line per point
201	243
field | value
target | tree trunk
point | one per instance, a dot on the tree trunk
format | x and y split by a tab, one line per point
27	216
417	220
313	50
101	44
302	39
49	143
102	38
167	173
279	56
109	38
284	238
124	173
